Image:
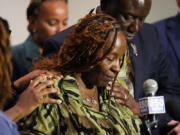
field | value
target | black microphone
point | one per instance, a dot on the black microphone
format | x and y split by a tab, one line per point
151	105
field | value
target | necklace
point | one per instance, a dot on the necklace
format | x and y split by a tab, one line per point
91	99
88	95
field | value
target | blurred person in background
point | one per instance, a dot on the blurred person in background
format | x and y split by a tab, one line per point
169	31
30	99
45	18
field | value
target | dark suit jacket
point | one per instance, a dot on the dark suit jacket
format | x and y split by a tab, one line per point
151	62
169	31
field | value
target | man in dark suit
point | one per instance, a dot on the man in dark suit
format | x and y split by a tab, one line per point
169	31
147	56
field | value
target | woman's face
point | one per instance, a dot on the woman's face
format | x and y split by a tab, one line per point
52	18
107	69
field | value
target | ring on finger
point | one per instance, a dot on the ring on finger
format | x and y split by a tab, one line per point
126	97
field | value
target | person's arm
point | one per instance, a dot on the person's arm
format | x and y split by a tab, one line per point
32	97
168	83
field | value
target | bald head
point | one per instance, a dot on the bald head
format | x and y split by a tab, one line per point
119	5
130	13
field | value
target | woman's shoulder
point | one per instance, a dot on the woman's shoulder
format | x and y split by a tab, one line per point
68	86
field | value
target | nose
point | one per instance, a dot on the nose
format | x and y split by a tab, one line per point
61	27
116	66
135	26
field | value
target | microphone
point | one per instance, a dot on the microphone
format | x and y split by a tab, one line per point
150	87
151	105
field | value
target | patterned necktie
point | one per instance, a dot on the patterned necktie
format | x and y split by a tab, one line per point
125	76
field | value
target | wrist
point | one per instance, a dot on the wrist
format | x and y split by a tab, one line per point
136	109
15	113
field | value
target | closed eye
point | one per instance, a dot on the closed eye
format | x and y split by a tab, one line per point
109	59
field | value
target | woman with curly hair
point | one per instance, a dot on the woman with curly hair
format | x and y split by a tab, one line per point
90	58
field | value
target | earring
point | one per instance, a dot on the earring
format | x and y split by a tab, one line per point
33	31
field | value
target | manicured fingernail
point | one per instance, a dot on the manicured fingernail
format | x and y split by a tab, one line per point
59	101
108	88
110	82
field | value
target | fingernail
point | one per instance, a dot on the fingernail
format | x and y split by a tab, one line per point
59	101
108	88
110	82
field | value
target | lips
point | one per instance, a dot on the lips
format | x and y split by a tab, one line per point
109	78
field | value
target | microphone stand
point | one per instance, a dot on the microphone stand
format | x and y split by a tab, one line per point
151	122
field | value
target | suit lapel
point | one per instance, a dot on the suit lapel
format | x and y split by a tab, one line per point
173	33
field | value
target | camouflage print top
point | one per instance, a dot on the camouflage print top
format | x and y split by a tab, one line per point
75	117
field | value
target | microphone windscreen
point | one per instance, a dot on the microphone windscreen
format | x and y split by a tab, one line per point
150	87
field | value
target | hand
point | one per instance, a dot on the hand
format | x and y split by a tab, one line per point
23	82
32	97
123	97
176	129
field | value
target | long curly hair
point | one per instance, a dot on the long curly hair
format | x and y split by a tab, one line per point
85	46
5	64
